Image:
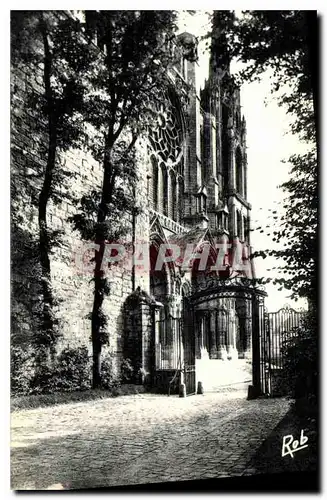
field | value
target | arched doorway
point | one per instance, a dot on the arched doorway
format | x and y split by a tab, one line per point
167	354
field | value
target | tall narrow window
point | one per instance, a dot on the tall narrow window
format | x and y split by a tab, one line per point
153	184
221	326
160	188
165	190
202	153
180	201
237	120
172	196
239	171
239	226
246	229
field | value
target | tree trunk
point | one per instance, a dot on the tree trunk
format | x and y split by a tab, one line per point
44	247
97	312
44	244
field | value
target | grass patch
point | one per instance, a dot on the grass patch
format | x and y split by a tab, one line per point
58	398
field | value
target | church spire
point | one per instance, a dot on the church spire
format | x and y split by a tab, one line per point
220	55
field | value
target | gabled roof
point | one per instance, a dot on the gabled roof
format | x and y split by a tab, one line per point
194	236
156	228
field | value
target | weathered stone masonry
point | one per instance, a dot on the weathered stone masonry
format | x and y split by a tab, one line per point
192	187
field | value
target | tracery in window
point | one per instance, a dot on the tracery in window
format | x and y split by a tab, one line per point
239	171
166	132
172	196
153	184
166	142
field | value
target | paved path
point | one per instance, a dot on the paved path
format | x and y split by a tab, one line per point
139	439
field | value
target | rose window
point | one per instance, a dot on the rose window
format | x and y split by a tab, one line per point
165	132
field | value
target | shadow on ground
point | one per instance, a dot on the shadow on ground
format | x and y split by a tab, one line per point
269	460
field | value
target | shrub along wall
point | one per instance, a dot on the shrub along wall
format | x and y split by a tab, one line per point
72	286
69	371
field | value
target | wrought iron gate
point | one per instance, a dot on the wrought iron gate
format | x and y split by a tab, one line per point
168	345
188	335
278	329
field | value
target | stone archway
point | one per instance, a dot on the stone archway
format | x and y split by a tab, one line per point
166	324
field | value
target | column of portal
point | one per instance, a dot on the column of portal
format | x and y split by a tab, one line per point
221	322
248	331
231	345
213	336
198	335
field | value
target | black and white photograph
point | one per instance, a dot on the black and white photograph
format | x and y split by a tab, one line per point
164	291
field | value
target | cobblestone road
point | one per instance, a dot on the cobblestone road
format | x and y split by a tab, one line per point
139	439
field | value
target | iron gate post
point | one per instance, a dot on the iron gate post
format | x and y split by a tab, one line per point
255	390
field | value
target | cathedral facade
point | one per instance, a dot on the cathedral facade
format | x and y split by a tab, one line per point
201	320
180	327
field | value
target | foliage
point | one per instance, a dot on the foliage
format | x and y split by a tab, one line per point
32	373
48	45
127	370
70	371
22	370
93	87
300	373
135	52
297	229
285	42
109	375
74	369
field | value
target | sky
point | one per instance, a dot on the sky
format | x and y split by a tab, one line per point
268	143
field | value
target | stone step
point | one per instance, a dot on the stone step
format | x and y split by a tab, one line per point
216	374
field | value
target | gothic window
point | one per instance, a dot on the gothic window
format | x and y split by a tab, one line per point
153	184
166	134
239	226
160	189
201	203
204	203
166	142
225	144
202	152
222	325
180	199
246	229
219	220
237	120
239	171
225	221
180	168
163	190
172	208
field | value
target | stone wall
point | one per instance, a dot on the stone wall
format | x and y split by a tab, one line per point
71	282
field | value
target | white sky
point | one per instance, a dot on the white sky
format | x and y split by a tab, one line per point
268	144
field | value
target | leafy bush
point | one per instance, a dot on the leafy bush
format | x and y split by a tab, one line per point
74	370
22	370
127	371
45	379
69	372
301	363
109	376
